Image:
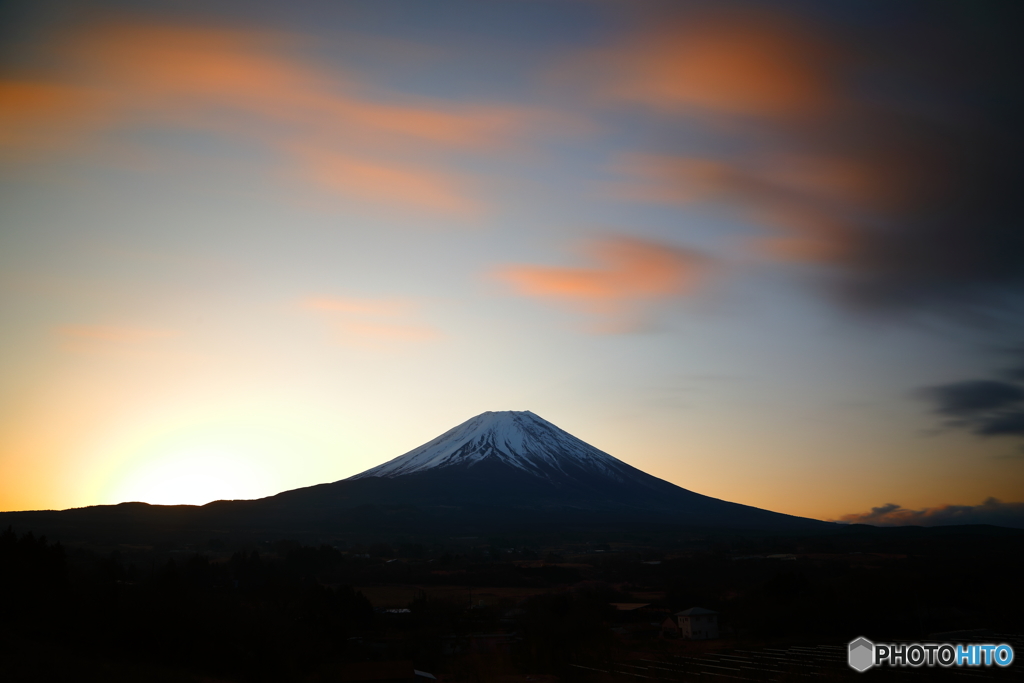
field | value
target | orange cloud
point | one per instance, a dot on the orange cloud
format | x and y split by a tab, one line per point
358	306
250	84
677	179
36	116
112	333
416	187
750	64
631	273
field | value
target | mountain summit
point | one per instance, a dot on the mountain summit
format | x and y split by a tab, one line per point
517	439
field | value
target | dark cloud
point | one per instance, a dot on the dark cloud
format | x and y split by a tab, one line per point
950	147
1011	423
945	136
960	242
986	407
974	396
876	514
992	511
1016	369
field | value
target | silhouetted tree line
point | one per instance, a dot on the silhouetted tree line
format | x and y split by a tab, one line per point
243	619
29	561
33	574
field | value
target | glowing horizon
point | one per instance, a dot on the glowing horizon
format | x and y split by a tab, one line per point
764	253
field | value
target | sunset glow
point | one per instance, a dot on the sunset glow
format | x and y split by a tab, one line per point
193	477
763	251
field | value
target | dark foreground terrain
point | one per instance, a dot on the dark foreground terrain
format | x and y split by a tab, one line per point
569	606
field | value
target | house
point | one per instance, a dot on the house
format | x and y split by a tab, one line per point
698	623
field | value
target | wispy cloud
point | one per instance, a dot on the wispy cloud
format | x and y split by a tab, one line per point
39	117
112	333
804	199
414	186
984	406
748	64
371	322
992	511
323	125
358	305
628	275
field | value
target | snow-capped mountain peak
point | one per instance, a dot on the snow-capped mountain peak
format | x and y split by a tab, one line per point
517	439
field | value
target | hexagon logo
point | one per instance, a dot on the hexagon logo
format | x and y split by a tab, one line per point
861	655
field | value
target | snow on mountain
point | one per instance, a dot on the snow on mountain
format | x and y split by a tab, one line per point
518	439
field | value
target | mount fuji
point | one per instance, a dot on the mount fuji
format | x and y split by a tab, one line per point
514	465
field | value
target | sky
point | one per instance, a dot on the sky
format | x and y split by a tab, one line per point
770	252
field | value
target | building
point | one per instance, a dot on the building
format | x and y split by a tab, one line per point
698	623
